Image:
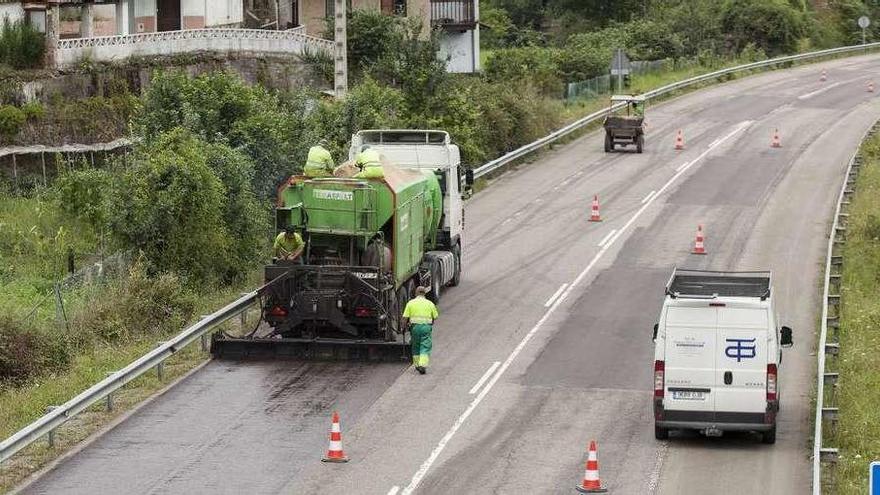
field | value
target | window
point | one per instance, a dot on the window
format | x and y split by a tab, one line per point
37	19
330	7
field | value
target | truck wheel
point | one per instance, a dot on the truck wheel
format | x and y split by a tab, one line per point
640	142
434	294
394	316
769	437
608	146
661	433
456	277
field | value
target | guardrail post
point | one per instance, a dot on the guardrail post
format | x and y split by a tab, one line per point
243	316
50	437
160	367
109	398
204	338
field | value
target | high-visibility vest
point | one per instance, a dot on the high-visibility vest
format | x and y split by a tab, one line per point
369	158
319	161
420	311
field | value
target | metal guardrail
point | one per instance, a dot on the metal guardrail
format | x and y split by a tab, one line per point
102	390
518	153
835	237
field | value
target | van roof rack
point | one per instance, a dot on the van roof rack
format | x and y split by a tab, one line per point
702	284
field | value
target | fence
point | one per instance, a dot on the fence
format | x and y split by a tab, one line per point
828	350
601	85
69	52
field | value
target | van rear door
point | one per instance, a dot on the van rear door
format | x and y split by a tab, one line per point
741	376
690	360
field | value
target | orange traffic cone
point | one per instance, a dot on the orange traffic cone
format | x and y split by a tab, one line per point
870	86
679	141
824	75
594	211
699	248
591	483
776	143
334	452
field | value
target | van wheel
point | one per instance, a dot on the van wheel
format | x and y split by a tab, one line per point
661	433
769	437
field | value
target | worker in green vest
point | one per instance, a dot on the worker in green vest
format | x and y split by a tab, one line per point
320	162
289	245
421	313
370	163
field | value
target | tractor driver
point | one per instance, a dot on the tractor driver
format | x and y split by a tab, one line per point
289	245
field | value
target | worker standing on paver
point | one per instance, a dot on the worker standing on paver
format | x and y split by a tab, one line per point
421	313
319	162
288	245
370	163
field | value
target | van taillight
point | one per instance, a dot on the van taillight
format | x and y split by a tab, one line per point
771	382
363	312
659	379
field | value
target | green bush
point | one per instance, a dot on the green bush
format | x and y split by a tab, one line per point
33	110
538	65
11	120
773	25
137	306
86	194
25	352
21	46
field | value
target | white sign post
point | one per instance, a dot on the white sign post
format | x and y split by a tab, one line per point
864	22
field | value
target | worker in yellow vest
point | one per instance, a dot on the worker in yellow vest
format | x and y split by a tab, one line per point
319	162
370	163
421	313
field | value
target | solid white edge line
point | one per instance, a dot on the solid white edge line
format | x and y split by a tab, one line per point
683	165
441	445
608	236
649	196
555	295
393	490
485	377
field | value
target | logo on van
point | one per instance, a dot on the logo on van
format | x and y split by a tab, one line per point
739	349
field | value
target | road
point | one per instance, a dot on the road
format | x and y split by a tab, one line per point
573	367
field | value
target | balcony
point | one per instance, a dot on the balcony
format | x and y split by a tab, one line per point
453	15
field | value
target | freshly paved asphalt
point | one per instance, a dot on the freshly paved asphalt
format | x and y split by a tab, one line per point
572	370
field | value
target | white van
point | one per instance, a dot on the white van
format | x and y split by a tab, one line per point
717	352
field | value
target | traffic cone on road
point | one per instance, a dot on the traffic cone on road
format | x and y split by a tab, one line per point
679	141
776	143
594	211
870	86
591	483
334	452
699	248
824	76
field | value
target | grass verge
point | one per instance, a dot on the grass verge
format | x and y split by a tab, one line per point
858	391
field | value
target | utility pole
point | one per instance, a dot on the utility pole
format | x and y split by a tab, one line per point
277	15
340	51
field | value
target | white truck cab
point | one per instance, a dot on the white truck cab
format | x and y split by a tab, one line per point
717	354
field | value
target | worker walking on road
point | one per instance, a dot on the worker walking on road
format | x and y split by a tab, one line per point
421	313
288	245
320	161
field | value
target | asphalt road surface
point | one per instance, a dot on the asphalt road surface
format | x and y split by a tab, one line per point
566	307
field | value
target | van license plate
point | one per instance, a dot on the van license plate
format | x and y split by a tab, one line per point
688	395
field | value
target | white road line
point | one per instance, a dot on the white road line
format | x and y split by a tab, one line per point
649	196
393	490
555	295
714	143
506	221
654	479
485	377
539	201
819	91
683	165
441	445
605	239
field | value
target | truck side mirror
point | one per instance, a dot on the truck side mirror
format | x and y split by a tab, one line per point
786	340
656	326
469	177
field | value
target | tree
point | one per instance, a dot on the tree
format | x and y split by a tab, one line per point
773	25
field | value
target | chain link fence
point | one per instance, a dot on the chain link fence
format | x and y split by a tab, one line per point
603	85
